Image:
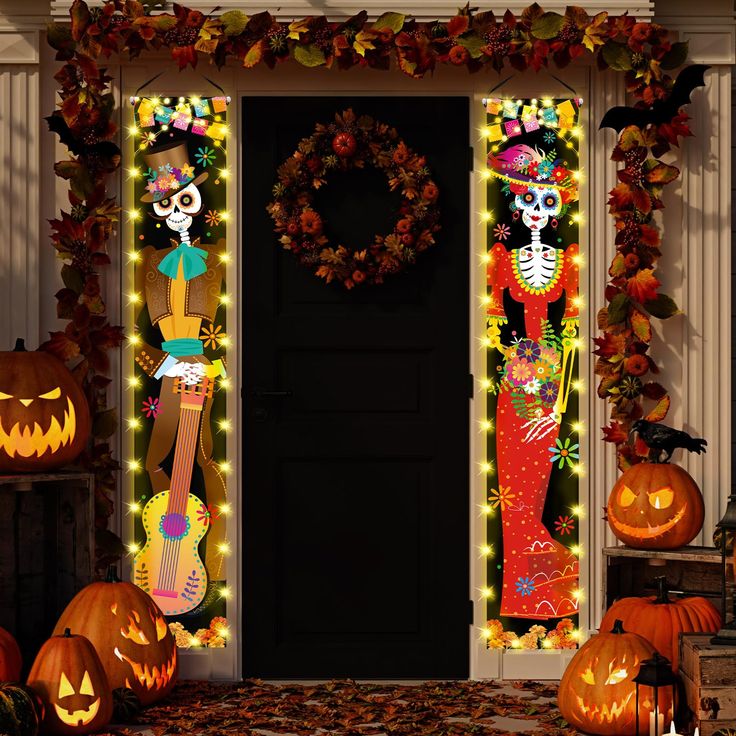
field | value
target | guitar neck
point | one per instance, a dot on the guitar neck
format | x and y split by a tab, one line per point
186	449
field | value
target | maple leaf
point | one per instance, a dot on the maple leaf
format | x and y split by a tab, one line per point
660	410
643	285
596	32
615	433
298	27
364	42
608	345
325	272
61	346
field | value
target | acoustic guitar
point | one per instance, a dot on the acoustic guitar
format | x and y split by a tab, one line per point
169	567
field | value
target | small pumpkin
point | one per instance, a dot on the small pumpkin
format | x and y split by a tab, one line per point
20	710
68	676
126	705
130	634
655	506
344	144
44	416
10	658
660	620
597	691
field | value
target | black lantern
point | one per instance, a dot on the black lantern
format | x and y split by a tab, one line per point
657	674
727	635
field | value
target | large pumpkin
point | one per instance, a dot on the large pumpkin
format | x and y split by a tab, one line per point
597	692
44	417
659	619
69	678
129	633
20	710
10	659
655	506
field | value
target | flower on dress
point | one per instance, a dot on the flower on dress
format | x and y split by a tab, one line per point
521	371
550	355
502	231
502	497
549	137
525	586
563	453
528	349
545	169
565	524
206	514
151	407
213	218
532	387
205	156
211	336
560	173
548	392
542	370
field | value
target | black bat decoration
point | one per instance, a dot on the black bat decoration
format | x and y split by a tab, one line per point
662	111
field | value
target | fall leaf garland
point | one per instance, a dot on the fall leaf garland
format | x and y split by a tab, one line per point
84	123
347	144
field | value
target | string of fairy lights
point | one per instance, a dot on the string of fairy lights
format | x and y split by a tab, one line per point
497	131
153	118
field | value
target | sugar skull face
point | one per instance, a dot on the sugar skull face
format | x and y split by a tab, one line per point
179	210
537	205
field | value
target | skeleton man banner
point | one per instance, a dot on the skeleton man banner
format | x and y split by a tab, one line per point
180	364
532	323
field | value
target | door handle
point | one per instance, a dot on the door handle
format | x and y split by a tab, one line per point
261	393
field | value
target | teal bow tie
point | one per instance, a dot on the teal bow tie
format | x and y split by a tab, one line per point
194	262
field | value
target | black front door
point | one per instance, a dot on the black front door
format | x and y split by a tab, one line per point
355	487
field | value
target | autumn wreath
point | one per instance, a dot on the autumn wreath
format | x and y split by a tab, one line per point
352	143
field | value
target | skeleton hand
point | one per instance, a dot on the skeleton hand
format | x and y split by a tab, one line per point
569	330
494	333
190	373
540	425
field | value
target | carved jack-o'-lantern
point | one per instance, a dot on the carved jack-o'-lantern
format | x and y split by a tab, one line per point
655	506
597	691
129	633
44	416
69	678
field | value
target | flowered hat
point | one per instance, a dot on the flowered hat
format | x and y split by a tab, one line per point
169	171
522	166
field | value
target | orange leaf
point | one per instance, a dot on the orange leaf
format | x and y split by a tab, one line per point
643	285
641	325
660	410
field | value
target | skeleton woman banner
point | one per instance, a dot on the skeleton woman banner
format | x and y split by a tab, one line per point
532	324
180	372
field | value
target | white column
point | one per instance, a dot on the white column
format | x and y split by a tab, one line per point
20	122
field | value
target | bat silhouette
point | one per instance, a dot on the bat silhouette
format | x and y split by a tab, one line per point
662	111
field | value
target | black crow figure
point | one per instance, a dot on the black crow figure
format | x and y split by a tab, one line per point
661	438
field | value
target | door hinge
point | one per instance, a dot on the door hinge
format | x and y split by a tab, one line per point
471	158
471	612
471	385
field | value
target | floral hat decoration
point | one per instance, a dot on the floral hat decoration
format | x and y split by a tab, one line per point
169	171
523	167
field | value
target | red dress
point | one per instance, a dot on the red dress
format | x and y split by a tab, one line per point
539	573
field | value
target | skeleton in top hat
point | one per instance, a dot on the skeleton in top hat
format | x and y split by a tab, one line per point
540	575
182	285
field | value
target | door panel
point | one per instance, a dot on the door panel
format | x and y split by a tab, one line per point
355	483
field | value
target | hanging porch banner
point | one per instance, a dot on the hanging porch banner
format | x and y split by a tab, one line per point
532	325
179	374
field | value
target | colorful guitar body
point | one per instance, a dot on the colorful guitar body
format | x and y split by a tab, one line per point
169	567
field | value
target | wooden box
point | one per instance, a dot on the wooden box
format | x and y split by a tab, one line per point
46	551
709	679
689	571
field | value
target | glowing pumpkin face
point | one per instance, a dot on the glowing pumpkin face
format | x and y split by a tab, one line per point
44	417
597	694
655	506
68	676
130	634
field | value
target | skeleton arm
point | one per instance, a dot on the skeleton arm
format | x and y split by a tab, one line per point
570	324
496	279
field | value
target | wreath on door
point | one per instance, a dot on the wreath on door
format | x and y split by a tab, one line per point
352	143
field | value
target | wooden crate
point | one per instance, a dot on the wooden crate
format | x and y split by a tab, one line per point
46	551
709	679
689	571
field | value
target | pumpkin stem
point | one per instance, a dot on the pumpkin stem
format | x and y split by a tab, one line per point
112	574
67	633
20	345
618	627
662	592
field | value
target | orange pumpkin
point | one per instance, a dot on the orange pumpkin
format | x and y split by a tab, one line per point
10	659
655	506
660	619
130	634
44	416
68	677
597	691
